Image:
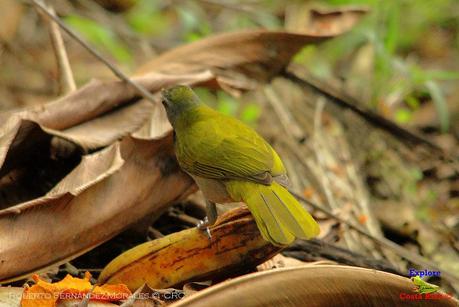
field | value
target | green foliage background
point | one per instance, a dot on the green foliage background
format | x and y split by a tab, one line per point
402	40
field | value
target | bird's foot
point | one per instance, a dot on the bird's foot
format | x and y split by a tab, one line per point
210	219
204	225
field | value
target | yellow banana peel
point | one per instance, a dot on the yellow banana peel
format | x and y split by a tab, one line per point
236	246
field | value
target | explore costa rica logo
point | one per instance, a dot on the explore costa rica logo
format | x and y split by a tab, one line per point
422	286
424	290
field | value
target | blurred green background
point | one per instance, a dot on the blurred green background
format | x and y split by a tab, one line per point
403	53
402	59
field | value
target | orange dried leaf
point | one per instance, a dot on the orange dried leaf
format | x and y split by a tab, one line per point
44	294
362	219
68	283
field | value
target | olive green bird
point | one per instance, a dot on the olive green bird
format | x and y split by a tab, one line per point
230	162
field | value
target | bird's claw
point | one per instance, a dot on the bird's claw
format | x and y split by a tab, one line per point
204	225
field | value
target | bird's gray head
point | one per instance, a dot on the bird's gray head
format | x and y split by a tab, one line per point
178	99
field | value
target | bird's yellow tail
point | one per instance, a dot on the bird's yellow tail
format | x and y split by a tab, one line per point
279	216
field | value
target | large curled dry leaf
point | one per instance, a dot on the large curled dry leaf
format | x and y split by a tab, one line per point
108	191
56	203
259	54
40	145
240	59
321	285
97	100
236	246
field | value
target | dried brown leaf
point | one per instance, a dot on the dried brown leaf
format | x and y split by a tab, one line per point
324	285
108	191
334	21
97	98
40	145
318	21
237	59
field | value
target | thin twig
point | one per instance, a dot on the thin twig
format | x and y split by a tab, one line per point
154	233
414	258
67	82
71	269
87	297
140	89
185	218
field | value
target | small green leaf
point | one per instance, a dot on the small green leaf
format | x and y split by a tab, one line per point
305	55
205	95
393	28
203	31
440	104
421	75
226	104
416	174
442	74
147	18
250	113
403	115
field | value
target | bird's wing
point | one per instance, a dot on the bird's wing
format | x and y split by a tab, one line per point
225	148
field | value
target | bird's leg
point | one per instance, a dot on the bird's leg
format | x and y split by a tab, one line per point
211	217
